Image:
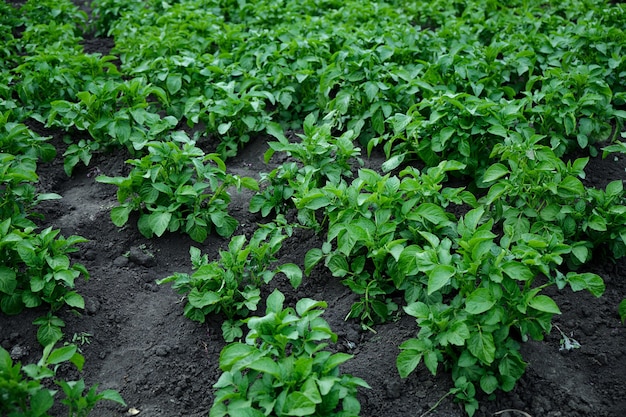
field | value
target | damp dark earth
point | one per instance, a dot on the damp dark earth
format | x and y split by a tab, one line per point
136	340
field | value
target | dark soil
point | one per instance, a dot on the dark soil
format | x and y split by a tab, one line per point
164	365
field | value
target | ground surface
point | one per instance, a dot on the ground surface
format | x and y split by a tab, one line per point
165	365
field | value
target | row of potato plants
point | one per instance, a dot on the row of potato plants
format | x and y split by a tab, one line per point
36	266
466	88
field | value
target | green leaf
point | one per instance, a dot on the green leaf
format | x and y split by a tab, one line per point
615	188
298	404
266	365
586	281
231	330
494	172
158	222
488	383
275	302
8	280
517	271
74	299
439	277
293	273
407	361
338	265
479	301
622	310
202	299
311	259
112	395
545	304
481	345
40	402
63	354
238	354
48	334
119	215
174	83
597	223
430	212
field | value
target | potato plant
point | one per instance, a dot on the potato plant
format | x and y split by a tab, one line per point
232	284
177	187
283	369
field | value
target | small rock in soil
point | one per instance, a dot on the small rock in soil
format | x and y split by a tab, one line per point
91	305
140	257
162	350
393	389
18	352
120	261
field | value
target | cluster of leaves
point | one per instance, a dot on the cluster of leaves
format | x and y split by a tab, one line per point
177	187
282	368
232	284
319	156
36	267
24	390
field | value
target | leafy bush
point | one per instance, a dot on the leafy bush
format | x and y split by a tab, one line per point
282	369
24	390
231	284
177	187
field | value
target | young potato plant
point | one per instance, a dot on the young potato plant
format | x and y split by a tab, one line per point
177	187
35	266
231	284
475	299
282	368
540	193
371	220
321	158
25	389
115	113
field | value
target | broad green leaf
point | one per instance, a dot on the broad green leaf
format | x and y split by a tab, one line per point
239	354
517	271
481	345
311	259
119	215
407	361
174	83
597	223
488	383
8	280
298	404
48	334
275	302
439	277
112	395
615	188
494	172
545	304
586	281
40	402
338	265
202	299
458	333
63	354
432	213
304	305
74	299
479	301
266	365
293	273
159	221
231	330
